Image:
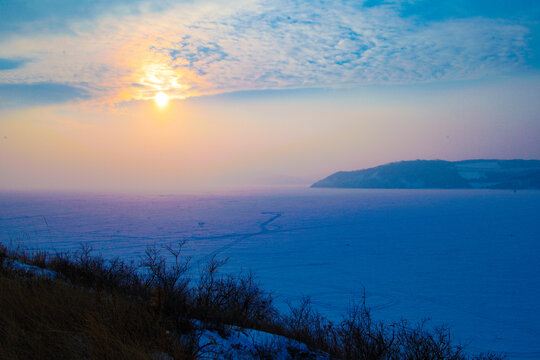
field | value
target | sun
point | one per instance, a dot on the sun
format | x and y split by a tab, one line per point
161	99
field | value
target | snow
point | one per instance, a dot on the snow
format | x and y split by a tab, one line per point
465	258
484	165
16	265
248	344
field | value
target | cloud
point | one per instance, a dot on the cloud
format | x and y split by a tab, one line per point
9	64
211	47
284	45
17	95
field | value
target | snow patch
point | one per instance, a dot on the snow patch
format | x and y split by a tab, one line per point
248	344
35	270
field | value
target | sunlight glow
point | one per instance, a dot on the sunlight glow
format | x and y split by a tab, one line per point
160	82
161	99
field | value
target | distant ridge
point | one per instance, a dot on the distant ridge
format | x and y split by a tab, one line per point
440	174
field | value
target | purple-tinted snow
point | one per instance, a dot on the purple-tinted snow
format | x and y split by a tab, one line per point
469	259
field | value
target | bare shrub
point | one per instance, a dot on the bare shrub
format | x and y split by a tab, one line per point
308	326
171	279
361	337
167	284
429	344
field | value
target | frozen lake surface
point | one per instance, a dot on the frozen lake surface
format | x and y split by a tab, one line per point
469	259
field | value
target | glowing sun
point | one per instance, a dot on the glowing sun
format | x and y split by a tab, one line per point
161	99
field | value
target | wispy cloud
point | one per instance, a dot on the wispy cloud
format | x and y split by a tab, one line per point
209	47
16	95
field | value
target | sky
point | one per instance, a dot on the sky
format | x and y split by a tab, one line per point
258	92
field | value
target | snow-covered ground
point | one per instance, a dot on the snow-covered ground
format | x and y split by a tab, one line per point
248	344
35	270
466	258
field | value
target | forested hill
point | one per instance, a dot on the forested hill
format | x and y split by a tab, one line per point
439	174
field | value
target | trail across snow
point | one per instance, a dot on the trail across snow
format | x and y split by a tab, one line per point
236	238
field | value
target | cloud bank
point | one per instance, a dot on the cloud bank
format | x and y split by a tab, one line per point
211	47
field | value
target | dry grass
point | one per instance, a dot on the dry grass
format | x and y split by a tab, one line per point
50	319
110	309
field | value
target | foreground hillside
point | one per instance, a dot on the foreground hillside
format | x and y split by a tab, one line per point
80	306
439	174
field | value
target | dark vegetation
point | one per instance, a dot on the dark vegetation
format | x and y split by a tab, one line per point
94	308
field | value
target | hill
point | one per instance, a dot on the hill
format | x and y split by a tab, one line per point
439	174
